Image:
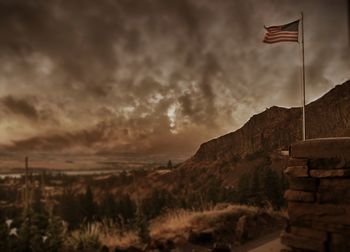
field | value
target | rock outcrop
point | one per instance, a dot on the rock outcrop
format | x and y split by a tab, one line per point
277	128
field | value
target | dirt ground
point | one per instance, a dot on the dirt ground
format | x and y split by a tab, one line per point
268	243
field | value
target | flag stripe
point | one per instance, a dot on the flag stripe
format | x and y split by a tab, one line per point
279	33
293	36
279	40
277	37
273	29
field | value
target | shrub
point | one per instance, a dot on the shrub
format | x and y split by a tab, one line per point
262	186
35	233
86	238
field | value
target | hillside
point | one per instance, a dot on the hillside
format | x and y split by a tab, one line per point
276	128
200	196
256	145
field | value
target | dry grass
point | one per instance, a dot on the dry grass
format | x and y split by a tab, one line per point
119	240
111	236
85	238
171	224
178	223
104	233
174	225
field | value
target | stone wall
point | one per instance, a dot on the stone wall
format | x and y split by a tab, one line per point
319	196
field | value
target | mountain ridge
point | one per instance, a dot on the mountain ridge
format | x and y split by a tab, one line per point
277	127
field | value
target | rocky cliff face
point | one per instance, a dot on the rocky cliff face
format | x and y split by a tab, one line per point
276	128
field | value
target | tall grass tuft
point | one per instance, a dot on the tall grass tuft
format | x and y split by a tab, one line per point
87	238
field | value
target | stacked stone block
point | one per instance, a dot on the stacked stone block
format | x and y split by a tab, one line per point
319	196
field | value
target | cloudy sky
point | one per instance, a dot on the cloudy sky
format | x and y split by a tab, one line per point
155	76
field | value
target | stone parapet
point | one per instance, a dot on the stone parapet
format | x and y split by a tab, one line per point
319	196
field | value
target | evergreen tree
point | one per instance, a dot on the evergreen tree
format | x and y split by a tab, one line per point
170	165
108	207
126	208
243	190
213	191
88	206
272	188
34	234
54	236
157	202
255	189
142	227
37	205
69	208
4	236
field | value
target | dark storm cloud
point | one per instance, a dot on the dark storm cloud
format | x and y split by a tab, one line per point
86	138
149	75
27	111
21	107
81	46
81	36
103	138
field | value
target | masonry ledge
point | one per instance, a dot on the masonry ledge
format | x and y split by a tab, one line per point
322	148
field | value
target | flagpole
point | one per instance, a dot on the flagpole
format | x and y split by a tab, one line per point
349	20
303	74
26	191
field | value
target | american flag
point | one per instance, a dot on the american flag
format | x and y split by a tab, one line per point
282	33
